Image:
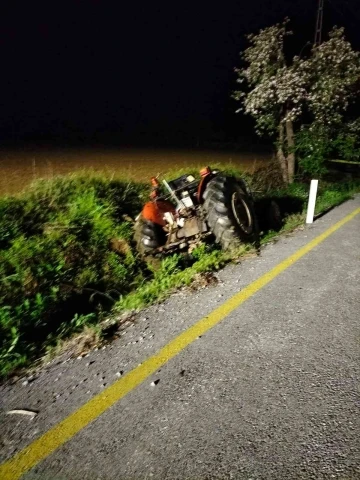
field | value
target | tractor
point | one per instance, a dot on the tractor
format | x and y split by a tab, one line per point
184	211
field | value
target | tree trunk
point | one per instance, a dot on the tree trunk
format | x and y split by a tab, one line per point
280	154
291	152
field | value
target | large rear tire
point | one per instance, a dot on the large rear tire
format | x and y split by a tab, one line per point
229	212
148	236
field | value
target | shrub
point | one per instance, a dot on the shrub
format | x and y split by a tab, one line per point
346	146
56	259
313	146
12	210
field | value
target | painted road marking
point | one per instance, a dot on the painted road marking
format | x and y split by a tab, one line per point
41	448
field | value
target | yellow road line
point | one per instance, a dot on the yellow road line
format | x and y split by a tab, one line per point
34	453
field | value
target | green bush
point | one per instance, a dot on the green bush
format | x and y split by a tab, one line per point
345	146
12	211
56	260
313	146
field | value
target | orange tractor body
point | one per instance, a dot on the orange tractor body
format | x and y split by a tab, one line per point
185	210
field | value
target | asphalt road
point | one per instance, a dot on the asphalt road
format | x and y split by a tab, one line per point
271	392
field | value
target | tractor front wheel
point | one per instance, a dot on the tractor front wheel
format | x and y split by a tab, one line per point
148	236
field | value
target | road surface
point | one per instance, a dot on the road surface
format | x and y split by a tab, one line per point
270	392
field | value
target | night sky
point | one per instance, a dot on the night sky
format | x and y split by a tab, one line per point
93	71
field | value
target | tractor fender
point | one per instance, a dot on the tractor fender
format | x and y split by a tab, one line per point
155	211
202	186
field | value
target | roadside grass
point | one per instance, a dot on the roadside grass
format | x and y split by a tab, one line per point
171	275
61	273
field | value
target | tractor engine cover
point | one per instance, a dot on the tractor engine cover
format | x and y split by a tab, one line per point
155	211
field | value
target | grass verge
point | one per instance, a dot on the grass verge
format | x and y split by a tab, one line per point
66	258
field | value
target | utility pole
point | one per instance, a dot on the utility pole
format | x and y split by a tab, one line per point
319	23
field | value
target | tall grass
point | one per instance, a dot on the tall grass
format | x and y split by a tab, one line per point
56	259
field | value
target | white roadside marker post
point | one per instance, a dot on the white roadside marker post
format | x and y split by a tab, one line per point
312	201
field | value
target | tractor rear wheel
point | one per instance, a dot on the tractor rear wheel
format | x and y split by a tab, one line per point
148	236
229	212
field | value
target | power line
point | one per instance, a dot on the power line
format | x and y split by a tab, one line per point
319	23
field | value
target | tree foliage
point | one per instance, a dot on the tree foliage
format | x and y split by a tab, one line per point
333	73
279	93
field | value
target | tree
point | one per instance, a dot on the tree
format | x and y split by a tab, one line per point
333	71
280	93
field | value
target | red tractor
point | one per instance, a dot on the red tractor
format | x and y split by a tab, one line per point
192	208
